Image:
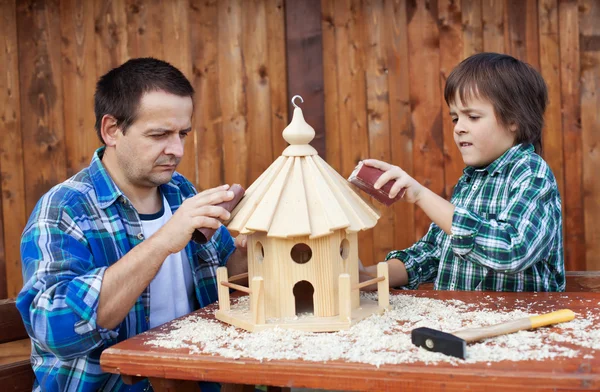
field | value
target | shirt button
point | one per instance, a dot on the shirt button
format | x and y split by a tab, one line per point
147	319
140	236
123	200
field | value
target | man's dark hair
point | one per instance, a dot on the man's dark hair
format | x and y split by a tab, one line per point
119	92
516	90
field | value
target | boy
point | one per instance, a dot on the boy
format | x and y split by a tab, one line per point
502	229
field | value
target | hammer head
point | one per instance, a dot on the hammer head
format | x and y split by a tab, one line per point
438	341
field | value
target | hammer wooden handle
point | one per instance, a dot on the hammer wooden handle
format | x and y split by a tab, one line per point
476	334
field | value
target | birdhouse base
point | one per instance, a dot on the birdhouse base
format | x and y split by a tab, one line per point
243	319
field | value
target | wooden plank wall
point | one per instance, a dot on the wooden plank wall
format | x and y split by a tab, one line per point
372	73
385	65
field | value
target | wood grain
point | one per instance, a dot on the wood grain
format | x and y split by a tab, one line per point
78	62
401	129
41	97
176	44
456	39
231	76
589	28
492	19
12	184
571	126
378	115
425	97
552	137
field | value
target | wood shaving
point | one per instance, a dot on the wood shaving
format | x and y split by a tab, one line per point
385	339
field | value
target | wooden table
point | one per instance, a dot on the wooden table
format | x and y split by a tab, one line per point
162	366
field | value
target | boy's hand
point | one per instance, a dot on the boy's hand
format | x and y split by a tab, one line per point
241	243
403	180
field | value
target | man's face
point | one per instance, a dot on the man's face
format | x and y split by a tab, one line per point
151	148
480	138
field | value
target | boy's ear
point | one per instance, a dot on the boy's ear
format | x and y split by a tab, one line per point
513	127
109	129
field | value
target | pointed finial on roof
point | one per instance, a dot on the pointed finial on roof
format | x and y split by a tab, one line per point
298	134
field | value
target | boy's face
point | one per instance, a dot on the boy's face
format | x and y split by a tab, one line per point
480	138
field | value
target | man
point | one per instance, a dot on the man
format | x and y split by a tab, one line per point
108	253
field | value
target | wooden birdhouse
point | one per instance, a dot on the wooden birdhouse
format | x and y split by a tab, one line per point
302	219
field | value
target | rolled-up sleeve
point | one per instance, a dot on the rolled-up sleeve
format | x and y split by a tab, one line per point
521	235
59	300
422	259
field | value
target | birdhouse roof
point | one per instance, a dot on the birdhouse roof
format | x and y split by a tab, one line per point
301	195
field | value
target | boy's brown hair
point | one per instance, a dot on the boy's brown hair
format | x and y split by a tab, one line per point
515	89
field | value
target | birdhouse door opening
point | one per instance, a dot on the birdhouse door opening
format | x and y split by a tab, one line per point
304	293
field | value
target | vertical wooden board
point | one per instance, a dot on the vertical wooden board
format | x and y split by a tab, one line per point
257	88
552	137
330	87
423	44
144	28
472	27
38	25
110	19
521	37
3	269
402	133
304	51
231	91
208	120
492	15
177	51
12	180
351	86
277	73
378	114
589	29
454	46
305	63
572	142
78	82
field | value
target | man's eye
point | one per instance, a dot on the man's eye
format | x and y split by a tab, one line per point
454	120
183	135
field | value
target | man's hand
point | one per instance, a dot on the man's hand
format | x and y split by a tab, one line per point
194	213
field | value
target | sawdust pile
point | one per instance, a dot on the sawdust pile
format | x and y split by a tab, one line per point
385	339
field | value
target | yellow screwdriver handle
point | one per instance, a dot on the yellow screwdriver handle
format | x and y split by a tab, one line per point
560	316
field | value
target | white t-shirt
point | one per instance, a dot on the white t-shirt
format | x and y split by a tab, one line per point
172	289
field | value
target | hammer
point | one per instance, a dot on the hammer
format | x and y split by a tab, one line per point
455	343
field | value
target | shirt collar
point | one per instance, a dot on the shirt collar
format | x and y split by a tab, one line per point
501	162
107	191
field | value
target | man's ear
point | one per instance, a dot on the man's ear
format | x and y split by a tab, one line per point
109	129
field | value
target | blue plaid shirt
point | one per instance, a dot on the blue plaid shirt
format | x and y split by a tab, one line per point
76	231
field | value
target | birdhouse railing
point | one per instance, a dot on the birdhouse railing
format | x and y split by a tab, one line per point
346	289
256	292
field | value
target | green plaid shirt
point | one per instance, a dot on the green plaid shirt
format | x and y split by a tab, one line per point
506	231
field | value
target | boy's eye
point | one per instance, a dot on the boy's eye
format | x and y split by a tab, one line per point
454	120
473	118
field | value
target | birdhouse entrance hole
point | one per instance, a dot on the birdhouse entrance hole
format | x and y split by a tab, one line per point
301	253
303	292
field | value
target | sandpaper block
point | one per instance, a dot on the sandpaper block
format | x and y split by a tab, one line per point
364	177
202	235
